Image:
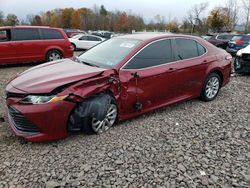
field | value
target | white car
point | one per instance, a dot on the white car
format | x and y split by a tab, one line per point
242	61
85	41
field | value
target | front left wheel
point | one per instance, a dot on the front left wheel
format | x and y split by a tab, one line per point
94	126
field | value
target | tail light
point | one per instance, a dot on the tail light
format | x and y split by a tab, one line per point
240	42
228	57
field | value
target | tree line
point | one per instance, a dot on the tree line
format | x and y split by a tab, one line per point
220	19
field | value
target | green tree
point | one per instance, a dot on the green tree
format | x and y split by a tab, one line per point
1	18
11	20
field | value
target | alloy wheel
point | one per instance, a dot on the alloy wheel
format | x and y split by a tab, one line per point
109	120
212	87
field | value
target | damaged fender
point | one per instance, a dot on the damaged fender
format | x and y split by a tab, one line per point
93	107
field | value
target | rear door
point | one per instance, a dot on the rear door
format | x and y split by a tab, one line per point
190	64
93	41
8	51
29	44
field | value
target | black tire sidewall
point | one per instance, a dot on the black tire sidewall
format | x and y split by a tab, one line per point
203	92
87	128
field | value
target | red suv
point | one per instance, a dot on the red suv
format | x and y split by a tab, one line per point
21	44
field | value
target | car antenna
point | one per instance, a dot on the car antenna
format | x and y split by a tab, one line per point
137	105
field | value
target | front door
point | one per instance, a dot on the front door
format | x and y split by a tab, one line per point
148	78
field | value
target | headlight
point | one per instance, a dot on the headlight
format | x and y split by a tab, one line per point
35	99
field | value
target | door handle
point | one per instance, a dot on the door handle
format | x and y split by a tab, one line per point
171	70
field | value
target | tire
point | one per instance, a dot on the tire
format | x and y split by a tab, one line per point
53	55
211	87
90	124
74	46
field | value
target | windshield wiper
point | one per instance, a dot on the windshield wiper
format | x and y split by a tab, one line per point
86	63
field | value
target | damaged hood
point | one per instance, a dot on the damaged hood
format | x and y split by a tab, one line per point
245	50
46	77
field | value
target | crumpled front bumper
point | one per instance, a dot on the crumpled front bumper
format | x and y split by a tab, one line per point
241	65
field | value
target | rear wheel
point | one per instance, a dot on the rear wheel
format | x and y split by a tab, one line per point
53	55
211	87
74	46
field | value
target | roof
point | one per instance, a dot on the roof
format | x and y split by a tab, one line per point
23	26
152	36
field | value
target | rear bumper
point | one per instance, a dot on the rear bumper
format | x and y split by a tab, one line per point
68	53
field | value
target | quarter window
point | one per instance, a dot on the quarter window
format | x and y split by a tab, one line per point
25	34
50	34
157	53
4	35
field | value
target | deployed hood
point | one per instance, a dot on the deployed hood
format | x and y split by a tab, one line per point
47	77
245	50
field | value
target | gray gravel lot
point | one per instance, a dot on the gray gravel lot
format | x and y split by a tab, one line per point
190	144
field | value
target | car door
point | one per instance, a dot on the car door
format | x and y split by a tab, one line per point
8	50
28	43
148	78
82	42
190	67
93	40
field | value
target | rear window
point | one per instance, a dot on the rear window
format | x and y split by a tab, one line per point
25	34
246	38
51	34
225	37
235	38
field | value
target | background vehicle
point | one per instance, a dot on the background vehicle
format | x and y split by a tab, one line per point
237	43
242	61
72	32
85	41
22	44
221	40
116	80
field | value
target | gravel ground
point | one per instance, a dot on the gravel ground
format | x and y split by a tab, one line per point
191	144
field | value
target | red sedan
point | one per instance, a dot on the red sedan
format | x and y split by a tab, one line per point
116	80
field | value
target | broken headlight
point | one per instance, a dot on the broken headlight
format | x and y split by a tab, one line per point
36	99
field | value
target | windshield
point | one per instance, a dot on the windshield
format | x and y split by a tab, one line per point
109	53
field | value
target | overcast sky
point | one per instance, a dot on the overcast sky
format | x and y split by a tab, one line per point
146	8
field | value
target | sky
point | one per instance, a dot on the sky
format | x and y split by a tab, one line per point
146	8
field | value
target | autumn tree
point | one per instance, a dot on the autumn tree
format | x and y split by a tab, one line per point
218	19
66	17
75	21
11	20
173	26
36	20
122	24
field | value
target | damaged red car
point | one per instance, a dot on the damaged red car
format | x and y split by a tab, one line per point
116	80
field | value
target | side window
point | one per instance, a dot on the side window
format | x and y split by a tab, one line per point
222	37
49	34
25	34
90	38
186	48
157	53
83	38
4	35
201	49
